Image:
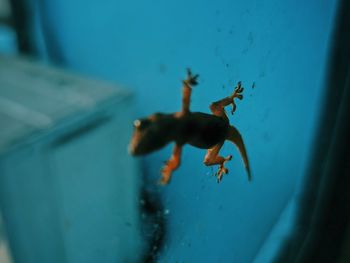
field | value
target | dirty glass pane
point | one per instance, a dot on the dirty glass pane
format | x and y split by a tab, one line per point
277	49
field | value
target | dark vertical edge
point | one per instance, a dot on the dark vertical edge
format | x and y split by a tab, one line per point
324	202
22	21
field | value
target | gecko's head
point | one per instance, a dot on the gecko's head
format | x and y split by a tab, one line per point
150	134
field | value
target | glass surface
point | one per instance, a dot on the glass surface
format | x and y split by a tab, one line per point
278	49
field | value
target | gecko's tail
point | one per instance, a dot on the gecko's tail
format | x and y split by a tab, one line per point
235	137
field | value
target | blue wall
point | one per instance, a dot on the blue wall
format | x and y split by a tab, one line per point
146	45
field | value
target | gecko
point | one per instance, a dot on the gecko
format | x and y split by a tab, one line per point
201	130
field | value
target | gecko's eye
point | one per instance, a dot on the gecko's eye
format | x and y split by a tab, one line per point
141	124
137	123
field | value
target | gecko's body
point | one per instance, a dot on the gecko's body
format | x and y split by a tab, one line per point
202	130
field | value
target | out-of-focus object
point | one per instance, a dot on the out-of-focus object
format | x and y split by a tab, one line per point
8	39
5	256
68	189
5	10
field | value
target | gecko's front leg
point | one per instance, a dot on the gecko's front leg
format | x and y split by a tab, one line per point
172	164
218	107
187	90
212	158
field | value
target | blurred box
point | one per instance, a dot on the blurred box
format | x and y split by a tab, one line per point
68	188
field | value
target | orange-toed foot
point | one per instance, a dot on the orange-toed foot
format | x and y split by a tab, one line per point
236	94
191	79
166	173
222	169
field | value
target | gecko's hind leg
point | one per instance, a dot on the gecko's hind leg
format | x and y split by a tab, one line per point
212	158
218	107
172	164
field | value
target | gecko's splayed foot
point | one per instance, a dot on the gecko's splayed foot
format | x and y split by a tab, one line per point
237	93
192	80
222	169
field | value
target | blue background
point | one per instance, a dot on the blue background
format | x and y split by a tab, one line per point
282	46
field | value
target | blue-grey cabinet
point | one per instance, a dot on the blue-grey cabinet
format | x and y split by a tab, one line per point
68	188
